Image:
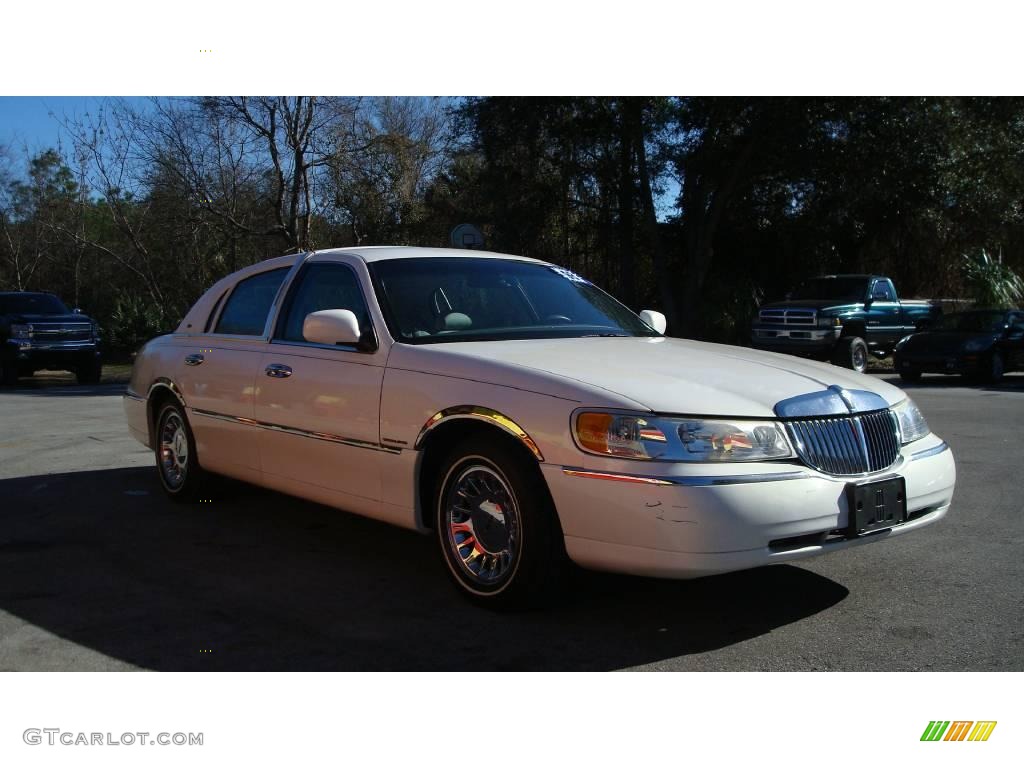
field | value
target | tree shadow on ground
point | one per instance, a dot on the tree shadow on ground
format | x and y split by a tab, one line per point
267	582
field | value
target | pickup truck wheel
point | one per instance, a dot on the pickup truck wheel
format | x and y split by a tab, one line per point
89	373
177	464
993	373
851	352
8	374
496	526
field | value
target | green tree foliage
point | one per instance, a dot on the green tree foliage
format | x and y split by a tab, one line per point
700	207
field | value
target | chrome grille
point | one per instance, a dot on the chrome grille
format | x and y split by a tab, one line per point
805	317
847	445
62	331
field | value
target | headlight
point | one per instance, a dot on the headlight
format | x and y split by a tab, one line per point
21	331
829	322
977	345
695	439
912	424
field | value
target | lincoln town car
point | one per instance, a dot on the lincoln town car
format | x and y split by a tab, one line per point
526	419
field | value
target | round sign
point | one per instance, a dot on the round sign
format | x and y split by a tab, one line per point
467	236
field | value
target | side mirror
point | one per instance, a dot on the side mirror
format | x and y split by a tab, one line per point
654	319
331	326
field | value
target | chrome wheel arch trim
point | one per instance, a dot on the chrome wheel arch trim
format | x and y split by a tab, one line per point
483	414
169	385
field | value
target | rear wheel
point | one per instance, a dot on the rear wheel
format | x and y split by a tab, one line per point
851	352
176	461
496	525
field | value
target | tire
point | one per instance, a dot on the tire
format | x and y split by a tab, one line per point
501	544
177	462
910	376
89	373
993	373
8	374
851	352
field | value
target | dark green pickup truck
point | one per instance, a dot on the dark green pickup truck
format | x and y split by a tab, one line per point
840	318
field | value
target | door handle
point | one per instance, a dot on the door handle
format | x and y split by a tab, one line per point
194	359
278	371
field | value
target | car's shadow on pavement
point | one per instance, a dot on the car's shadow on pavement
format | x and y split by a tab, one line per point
253	580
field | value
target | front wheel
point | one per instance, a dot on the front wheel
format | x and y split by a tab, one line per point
89	373
177	464
851	352
496	525
993	372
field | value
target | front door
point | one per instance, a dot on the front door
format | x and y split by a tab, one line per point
318	406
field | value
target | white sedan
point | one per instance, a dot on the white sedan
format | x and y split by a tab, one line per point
522	415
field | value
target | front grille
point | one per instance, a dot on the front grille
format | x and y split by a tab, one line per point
62	331
847	445
803	317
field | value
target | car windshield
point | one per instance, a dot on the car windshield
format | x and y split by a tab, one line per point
31	304
973	322
832	288
432	300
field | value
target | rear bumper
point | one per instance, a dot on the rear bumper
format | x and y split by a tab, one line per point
136	414
685	526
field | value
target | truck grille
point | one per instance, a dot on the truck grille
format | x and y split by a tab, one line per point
847	445
62	331
804	317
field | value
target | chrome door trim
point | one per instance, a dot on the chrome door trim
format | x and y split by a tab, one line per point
278	371
194	359
325	436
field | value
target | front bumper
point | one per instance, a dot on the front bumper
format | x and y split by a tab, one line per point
30	354
794	340
951	364
684	525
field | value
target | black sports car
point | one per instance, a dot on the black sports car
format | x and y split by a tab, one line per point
983	343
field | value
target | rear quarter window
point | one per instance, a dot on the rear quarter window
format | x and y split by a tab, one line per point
248	306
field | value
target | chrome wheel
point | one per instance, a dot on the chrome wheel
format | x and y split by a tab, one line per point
483	526
860	358
173	451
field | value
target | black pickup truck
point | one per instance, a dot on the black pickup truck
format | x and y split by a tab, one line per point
840	318
37	332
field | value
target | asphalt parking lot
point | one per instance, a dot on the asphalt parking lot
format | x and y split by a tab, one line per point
99	572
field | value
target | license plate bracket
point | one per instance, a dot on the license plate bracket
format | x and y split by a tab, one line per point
876	505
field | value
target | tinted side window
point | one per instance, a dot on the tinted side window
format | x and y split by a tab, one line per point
323	286
883	290
246	312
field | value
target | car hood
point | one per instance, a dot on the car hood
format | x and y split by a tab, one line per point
663	375
69	318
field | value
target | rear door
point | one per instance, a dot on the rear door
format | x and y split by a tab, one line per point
217	374
319	405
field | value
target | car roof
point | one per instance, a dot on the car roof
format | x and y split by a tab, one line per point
371	253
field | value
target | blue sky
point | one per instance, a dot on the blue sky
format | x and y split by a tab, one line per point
32	121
